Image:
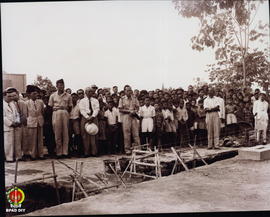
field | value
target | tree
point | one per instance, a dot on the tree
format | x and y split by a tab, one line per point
227	27
45	84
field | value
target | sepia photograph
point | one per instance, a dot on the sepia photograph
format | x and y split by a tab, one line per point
135	107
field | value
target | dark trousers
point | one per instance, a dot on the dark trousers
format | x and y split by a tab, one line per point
147	138
201	137
169	139
183	134
49	138
121	147
113	138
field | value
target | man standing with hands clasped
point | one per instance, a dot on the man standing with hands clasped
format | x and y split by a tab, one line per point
89	108
61	103
128	106
212	108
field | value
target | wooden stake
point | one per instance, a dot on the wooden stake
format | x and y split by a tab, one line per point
16	171
55	183
117	175
180	159
195	150
80	186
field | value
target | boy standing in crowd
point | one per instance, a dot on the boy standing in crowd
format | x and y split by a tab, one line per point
61	103
112	133
75	146
230	110
147	112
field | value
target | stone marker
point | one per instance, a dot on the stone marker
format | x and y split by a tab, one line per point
259	152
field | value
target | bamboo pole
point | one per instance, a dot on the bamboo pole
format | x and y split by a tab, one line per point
55	183
32	180
74	184
80	186
99	189
16	171
198	154
179	158
119	177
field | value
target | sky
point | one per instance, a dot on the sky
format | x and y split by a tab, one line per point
141	43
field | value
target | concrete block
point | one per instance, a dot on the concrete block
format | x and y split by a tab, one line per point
259	152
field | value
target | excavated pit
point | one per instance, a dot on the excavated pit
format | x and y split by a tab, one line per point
42	194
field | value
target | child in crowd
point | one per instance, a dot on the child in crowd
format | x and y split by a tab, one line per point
158	126
75	142
170	128
182	117
147	113
230	110
111	114
200	125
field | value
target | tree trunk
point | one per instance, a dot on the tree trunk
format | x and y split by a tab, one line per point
244	72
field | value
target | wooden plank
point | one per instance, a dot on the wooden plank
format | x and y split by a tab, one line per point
145	156
141	174
32	180
144	164
141	152
180	159
99	189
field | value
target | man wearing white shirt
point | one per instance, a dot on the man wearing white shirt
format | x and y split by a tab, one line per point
211	105
89	108
9	123
260	109
147	112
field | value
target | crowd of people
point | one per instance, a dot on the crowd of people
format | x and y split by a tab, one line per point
125	119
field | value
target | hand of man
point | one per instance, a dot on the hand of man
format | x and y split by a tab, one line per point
90	119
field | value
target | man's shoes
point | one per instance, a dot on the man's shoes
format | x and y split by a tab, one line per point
208	148
216	148
264	143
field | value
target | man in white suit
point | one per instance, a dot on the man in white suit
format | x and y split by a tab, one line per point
10	123
260	109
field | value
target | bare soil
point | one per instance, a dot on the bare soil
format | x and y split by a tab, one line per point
228	185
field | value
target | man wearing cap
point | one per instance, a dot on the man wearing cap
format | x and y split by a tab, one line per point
9	123
89	109
35	122
211	105
260	112
61	103
128	106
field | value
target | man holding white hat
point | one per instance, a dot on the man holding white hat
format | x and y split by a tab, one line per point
89	108
260	109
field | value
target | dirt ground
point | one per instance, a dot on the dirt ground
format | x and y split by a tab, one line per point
228	185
